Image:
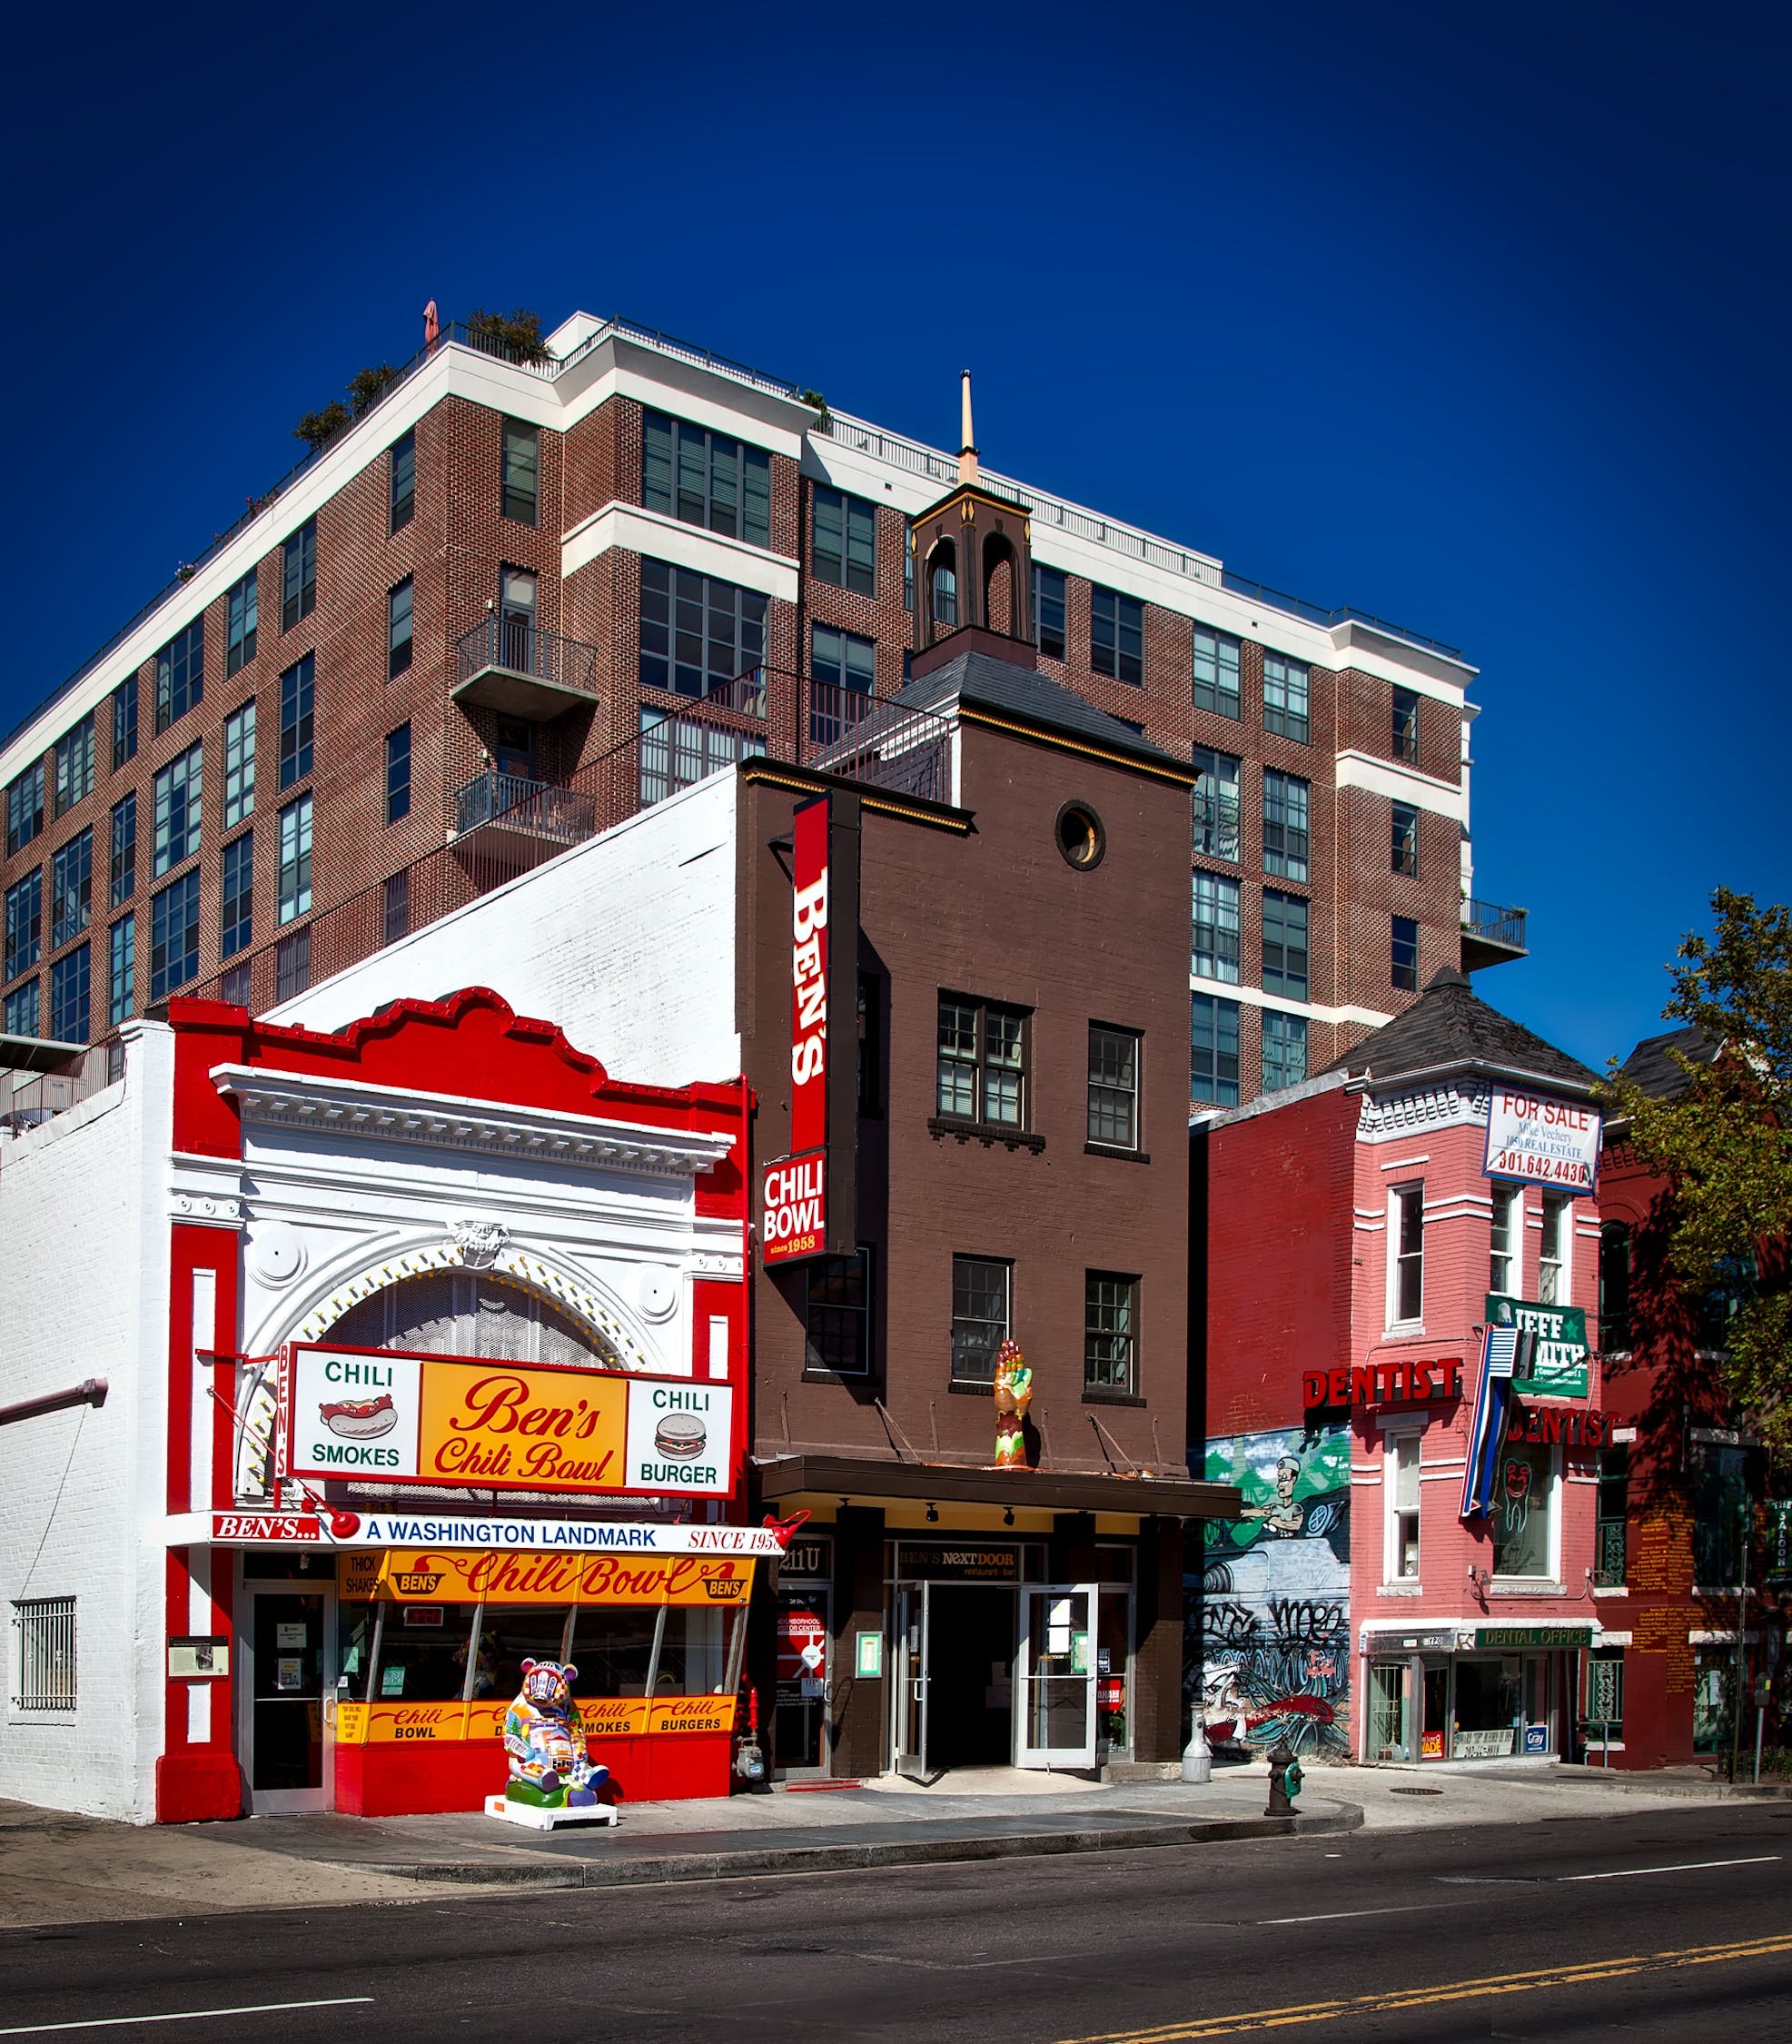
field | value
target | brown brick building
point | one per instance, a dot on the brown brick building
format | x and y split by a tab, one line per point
507	574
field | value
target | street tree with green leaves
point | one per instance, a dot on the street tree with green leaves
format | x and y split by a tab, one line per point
1724	1144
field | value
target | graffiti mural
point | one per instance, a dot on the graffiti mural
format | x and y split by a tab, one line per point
1270	1616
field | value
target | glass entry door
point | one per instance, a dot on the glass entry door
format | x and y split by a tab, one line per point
1055	1724
286	1688
911	1680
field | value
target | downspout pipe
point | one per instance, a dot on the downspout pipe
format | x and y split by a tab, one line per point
89	1393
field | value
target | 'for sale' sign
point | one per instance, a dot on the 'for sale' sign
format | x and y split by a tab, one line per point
1541	1140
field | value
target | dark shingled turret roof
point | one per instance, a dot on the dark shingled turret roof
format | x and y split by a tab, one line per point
1651	1067
1448	1025
984	682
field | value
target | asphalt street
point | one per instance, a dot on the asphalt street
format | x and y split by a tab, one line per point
1656	1923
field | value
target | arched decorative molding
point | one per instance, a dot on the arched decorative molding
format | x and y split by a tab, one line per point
573	1294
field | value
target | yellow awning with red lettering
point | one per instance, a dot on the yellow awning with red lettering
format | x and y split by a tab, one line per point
433	1575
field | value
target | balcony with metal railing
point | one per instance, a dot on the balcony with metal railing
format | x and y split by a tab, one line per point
507	664
1490	935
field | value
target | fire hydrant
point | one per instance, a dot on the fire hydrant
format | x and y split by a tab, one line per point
1284	1780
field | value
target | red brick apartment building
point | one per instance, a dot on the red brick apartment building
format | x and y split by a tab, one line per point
517	598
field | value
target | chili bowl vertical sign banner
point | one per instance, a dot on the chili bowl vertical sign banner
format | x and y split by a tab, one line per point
794	1188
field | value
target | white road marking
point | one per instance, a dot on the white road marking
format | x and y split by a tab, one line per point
183	2016
1338	1916
1686	1866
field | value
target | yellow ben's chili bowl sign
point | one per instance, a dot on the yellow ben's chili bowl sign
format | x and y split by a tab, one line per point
450	1419
418	1575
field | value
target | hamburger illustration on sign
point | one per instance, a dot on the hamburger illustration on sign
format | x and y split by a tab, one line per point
681	1436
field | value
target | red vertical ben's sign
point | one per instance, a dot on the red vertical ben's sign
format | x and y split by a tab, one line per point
794	1188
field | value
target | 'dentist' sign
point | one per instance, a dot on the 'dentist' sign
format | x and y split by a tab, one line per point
458	1420
1541	1140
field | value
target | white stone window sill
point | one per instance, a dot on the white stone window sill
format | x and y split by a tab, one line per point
1611	1589
1521	1587
1401	1589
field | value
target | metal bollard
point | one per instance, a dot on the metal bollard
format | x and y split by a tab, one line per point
1284	1780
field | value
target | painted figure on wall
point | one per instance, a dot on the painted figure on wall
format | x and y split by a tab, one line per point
1271	1650
1014	1394
550	1768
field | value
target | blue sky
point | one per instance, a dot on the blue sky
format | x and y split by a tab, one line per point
1473	316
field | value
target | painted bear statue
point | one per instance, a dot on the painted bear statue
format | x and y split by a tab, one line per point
545	1742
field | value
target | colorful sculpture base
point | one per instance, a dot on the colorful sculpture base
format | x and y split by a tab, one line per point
534	1818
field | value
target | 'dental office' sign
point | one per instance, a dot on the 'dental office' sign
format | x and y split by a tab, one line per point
465	1420
1541	1140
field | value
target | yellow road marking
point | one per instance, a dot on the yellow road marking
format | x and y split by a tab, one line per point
1390	1999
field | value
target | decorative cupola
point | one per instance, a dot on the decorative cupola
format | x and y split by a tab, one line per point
973	562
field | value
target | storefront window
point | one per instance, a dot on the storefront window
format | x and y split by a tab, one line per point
612	1646
691	1654
1487	1717
422	1655
1713	1687
511	1634
1523	1508
1114	1661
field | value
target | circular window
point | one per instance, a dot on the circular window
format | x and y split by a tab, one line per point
1080	837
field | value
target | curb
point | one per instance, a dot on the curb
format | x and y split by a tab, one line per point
827	1859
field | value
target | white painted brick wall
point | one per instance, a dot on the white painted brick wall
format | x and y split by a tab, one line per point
84	1282
627	942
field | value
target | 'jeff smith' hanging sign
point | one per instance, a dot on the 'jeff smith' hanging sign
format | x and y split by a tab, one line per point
1553	1365
1543	1141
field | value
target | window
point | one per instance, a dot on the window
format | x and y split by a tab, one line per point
297	702
983	1302
298	576
679	751
124	722
1117	635
1614	1287
1285	944
295	858
1406	1259
1523	1520
1049	612
44	1661
71	889
843	658
982	1067
1285	1049
25	923
177	810
843	546
1406	725
1285	696
696	633
398	629
1113	1087
240	765
1403	954
1286	809
943	584
398	774
122	871
907	578
180	673
1214	943
22	1013
1217	810
1552	1251
1216	671
24	808
395	906
241	603
702	478
402	482
1605	1695
1401	1482
120	969
1214	1051
836	1318
1612	1516
70	988
173	936
237	911
1502	1268
292	965
1109	1333
75	766
236	983
521	472
1405	850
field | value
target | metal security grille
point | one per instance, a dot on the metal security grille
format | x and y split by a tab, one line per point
44	1663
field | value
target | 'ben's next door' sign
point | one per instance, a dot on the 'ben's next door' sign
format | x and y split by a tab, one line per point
1543	1141
1555	1365
448	1419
